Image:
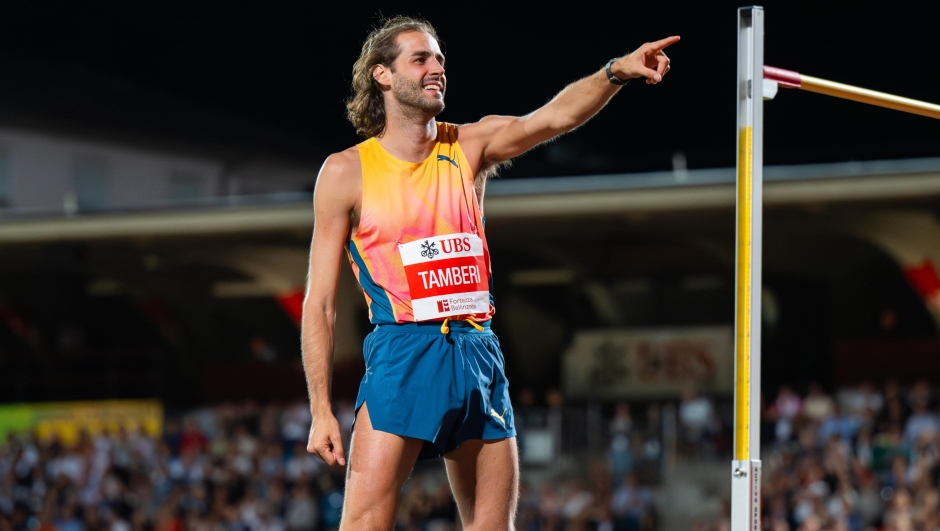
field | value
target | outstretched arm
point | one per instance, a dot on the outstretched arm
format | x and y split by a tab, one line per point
497	138
334	198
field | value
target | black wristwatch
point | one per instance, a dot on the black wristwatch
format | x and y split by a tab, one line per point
611	77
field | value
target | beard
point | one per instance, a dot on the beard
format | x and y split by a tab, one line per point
411	96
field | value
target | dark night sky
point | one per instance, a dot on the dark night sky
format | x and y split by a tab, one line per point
286	65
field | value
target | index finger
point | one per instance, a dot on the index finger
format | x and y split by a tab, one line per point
338	454
326	455
662	43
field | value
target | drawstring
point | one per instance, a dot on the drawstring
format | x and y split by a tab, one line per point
445	326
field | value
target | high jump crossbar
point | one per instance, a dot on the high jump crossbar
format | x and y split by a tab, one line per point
757	82
791	79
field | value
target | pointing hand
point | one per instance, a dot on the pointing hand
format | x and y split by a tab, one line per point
647	61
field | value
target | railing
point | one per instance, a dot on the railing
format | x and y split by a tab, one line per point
570	440
227	201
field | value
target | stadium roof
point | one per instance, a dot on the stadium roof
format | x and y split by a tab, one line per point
519	198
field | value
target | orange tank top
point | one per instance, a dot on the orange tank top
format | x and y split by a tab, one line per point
420	253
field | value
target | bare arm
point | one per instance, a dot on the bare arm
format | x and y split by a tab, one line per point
498	138
335	198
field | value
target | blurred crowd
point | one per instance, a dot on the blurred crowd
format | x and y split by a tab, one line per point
861	458
245	468
229	468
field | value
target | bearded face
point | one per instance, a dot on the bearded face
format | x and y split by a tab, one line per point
424	97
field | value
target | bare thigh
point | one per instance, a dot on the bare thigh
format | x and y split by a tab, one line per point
379	464
484	476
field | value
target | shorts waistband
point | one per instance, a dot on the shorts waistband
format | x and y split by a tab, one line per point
434	327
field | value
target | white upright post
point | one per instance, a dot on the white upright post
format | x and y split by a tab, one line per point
746	467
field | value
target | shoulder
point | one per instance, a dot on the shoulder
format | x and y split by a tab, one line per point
475	137
341	164
341	175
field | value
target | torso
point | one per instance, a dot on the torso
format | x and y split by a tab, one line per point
399	207
479	169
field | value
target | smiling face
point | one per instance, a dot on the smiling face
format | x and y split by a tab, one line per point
416	77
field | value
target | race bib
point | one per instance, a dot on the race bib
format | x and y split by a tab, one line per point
447	276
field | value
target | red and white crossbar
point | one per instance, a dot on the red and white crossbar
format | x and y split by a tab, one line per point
791	79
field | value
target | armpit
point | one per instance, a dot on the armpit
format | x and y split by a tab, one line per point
488	170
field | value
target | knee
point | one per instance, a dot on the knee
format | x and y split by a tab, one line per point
368	519
489	523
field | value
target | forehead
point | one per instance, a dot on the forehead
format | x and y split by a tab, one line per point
417	41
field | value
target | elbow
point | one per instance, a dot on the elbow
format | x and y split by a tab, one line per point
318	310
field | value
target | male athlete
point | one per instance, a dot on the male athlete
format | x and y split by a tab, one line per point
404	206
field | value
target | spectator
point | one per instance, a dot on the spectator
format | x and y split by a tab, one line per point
784	411
443	510
191	439
817	405
920	393
301	465
927	509
576	508
550	508
171	436
67	520
302	512
837	425
921	421
268	519
620	454
697	416
864	450
857	401
271	463
295	424
630	504
414	505
900	513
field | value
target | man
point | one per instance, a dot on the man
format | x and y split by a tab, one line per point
404	206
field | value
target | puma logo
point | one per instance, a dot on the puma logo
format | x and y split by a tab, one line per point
499	417
448	159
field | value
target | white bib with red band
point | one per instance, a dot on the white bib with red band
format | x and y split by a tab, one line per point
447	275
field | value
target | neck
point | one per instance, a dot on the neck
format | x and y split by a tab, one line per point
408	135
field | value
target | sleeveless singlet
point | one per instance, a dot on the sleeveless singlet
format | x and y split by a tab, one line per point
420	253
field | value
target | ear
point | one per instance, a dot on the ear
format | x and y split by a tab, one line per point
382	74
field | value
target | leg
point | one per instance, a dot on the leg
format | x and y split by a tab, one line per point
484	476
379	464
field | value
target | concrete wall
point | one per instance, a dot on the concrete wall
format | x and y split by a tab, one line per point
44	172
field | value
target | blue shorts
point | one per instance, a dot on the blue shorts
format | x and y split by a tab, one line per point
441	388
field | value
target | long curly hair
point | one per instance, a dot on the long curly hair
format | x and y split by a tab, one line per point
366	108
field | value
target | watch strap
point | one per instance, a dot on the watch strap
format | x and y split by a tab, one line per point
610	75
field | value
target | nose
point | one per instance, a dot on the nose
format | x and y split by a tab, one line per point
437	67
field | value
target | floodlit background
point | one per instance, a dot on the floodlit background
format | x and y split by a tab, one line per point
156	169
